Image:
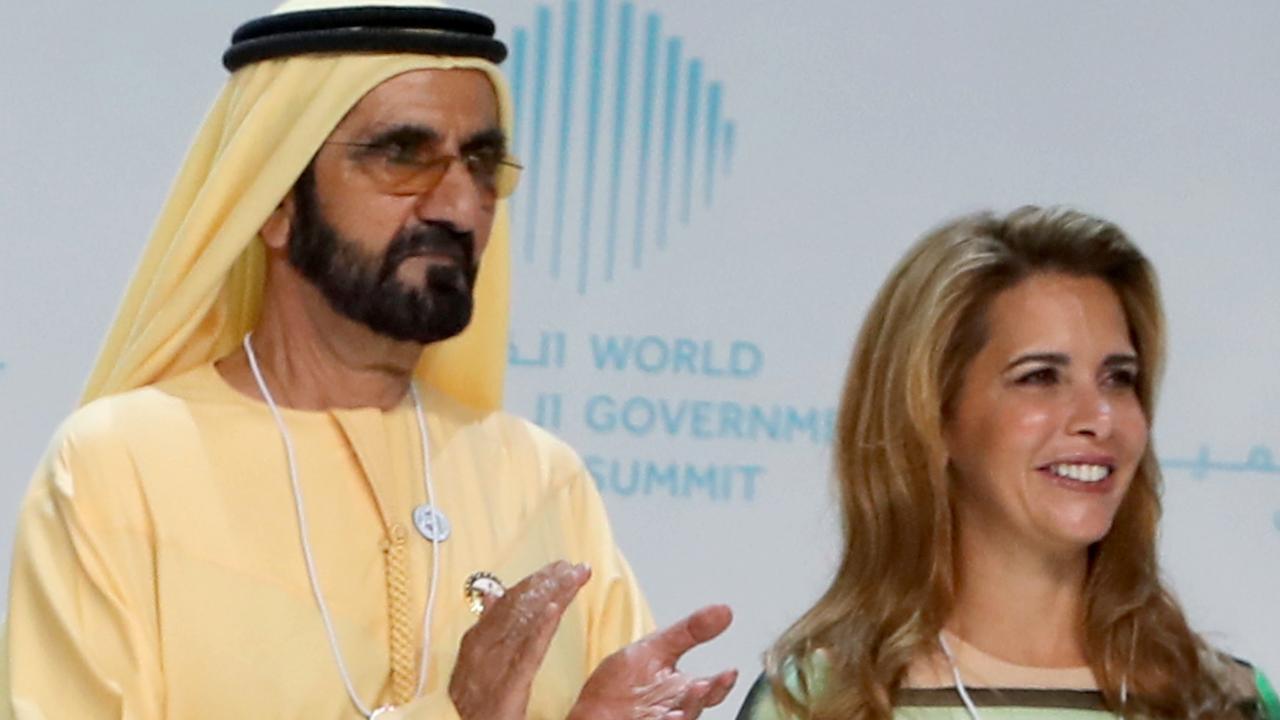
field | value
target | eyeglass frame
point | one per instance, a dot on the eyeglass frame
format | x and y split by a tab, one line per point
509	162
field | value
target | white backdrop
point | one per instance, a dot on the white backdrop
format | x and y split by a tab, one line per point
694	250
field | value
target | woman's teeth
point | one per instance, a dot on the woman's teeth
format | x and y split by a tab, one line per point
1080	472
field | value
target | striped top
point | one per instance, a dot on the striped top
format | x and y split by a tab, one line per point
1000	689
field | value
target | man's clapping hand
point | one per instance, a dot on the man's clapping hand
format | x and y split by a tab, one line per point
641	681
500	655
502	652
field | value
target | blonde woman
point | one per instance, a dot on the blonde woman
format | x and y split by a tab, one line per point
1000	497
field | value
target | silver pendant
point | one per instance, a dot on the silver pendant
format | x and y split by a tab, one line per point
432	523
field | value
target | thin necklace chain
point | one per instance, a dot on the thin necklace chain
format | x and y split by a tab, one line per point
308	556
964	692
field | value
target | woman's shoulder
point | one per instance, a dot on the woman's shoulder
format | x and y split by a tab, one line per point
1247	682
801	679
1268	701
759	703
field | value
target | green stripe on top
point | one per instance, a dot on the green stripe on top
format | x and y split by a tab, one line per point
1267	698
1002	704
945	704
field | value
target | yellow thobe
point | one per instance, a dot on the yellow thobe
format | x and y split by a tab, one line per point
159	571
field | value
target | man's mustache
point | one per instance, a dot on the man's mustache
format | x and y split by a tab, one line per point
431	239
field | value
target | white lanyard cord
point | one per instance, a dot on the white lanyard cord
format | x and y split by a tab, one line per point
435	544
964	692
955	674
304	532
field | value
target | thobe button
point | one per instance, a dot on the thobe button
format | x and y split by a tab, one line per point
432	523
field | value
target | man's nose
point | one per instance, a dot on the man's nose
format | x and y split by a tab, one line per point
456	200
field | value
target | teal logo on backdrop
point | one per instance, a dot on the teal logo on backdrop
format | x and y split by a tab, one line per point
625	140
640	439
635	139
1258	461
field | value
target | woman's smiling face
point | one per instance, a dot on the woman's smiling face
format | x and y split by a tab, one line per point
1047	431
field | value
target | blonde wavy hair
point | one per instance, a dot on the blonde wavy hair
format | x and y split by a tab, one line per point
894	587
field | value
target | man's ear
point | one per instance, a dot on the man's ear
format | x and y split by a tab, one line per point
275	231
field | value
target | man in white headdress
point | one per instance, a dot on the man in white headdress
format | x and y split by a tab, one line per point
290	460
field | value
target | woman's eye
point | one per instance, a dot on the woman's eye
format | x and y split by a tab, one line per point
1042	376
1123	378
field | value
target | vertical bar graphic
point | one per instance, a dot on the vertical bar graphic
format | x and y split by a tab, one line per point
691	134
619	132
519	43
595	61
570	26
652	31
668	134
686	102
713	133
729	129
541	54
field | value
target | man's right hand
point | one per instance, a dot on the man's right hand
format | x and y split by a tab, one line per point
501	653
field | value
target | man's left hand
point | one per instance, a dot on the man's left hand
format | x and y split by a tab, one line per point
641	682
